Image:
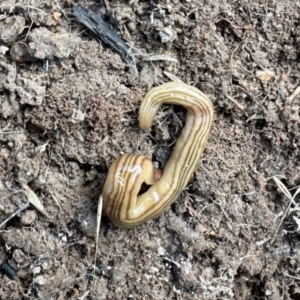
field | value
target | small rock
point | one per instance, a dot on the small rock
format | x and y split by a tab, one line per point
20	53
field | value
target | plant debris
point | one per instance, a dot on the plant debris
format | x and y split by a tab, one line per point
105	32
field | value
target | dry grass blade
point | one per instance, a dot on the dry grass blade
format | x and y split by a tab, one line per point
55	199
288	275
33	199
294	94
296	193
285	191
172	77
282	187
160	57
99	215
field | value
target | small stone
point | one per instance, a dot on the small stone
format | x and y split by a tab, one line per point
20	53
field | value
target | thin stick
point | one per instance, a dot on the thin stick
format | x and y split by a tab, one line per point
23	207
290	197
288	275
294	94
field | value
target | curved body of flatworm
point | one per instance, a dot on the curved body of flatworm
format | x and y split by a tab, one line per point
120	193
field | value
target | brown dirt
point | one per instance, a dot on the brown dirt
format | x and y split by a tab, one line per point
69	108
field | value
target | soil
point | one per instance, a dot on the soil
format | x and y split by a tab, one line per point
69	108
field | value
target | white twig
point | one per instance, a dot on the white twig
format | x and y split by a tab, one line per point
288	275
23	207
294	94
285	191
